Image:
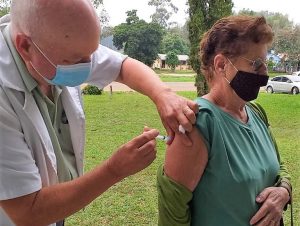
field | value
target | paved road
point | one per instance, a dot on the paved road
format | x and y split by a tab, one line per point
175	86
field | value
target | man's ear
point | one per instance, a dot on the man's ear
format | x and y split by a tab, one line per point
220	63
23	45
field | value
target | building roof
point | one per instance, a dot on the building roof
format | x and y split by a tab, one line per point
180	57
162	56
183	57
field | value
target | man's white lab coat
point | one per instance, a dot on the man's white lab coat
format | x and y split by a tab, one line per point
27	158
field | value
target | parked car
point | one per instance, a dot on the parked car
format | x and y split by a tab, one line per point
297	73
284	84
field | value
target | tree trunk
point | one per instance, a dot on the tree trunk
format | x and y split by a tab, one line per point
201	84
203	14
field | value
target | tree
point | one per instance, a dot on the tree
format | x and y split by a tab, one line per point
203	14
163	11
103	16
286	35
172	60
132	17
176	38
277	21
107	31
102	13
183	31
287	42
174	43
97	3
139	39
4	7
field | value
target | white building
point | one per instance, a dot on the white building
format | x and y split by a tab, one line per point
160	62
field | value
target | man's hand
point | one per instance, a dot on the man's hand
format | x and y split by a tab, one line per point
175	110
52	203
273	200
135	155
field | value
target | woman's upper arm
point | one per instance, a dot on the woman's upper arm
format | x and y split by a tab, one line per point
186	164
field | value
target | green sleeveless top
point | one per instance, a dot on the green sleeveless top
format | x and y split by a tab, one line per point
242	162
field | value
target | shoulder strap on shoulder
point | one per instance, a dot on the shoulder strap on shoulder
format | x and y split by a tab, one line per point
258	109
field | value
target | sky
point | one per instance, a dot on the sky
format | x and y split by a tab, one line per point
116	9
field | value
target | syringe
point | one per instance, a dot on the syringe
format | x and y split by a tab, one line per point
166	138
163	138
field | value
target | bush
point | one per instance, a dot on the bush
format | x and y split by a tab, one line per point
91	90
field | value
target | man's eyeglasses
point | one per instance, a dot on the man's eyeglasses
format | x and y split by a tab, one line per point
257	63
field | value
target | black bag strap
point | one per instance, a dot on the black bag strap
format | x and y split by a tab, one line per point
258	109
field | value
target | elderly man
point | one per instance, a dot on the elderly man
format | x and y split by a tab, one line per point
47	50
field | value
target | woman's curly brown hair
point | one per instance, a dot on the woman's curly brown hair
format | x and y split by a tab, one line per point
231	37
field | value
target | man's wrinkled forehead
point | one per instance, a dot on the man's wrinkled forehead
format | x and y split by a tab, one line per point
76	26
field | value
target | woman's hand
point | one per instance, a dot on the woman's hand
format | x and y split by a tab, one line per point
273	200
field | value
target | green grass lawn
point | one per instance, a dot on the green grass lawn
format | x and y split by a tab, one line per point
170	78
187	75
114	121
169	71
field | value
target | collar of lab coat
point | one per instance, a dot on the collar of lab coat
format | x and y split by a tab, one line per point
71	99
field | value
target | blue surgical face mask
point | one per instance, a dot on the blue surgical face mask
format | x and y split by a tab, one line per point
67	75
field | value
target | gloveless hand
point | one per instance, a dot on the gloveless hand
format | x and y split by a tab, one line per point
273	200
175	110
135	155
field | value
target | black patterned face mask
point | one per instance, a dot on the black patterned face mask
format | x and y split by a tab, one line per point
246	85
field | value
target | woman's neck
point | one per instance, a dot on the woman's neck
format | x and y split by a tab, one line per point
228	101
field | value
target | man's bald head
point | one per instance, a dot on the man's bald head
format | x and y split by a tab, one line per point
62	21
53	32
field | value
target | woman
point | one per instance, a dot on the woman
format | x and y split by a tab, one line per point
229	176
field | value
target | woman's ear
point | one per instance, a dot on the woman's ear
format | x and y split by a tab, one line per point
23	45
220	64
